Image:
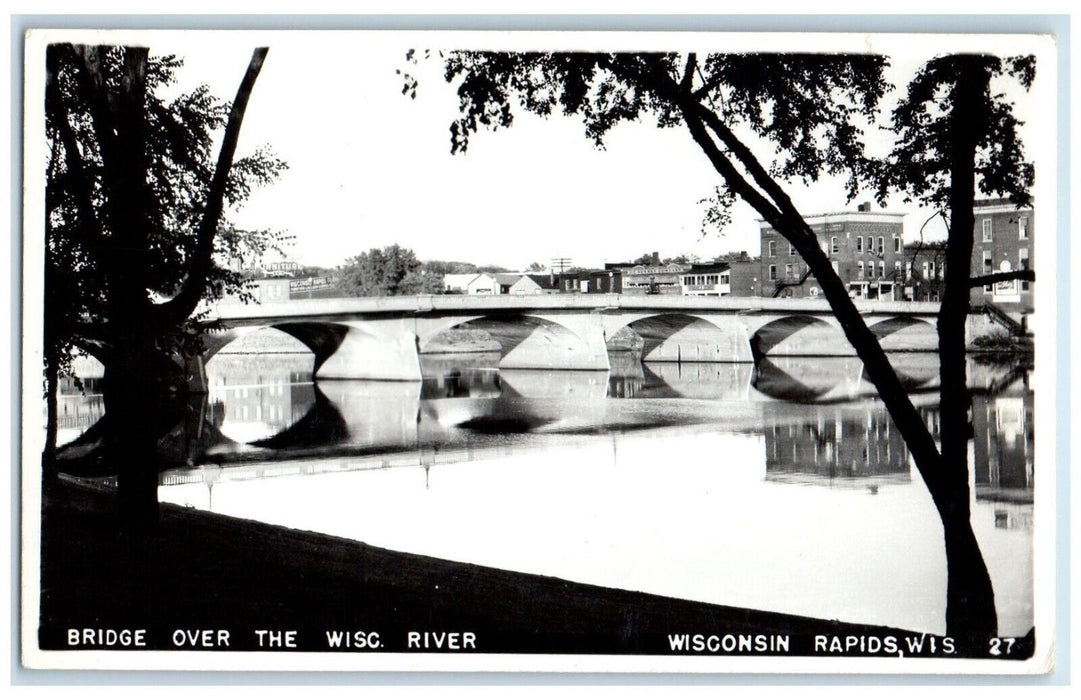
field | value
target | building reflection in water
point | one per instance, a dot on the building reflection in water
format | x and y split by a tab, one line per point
834	446
1004	441
256	396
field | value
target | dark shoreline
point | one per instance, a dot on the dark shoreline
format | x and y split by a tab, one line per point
214	572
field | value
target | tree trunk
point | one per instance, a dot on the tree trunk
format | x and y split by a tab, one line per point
970	601
136	398
48	456
971	616
970	598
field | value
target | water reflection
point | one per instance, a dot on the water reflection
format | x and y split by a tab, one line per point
79	406
631	379
663	477
835	446
257	396
817	416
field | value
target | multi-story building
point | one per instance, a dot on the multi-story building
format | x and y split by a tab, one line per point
865	248
1002	242
924	271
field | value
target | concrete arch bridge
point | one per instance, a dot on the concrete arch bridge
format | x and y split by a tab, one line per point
382	338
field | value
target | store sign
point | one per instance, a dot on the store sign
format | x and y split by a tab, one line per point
310	283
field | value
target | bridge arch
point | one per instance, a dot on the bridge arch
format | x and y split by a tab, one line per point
687	337
322	339
378	348
905	333
526	340
799	335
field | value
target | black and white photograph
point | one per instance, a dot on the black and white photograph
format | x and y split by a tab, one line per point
539	351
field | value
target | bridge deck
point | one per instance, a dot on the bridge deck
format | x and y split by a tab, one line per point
453	303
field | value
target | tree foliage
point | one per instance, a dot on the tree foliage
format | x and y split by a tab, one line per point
920	163
127	189
389	271
809	105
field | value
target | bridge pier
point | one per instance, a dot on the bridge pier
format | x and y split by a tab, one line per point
374	349
570	342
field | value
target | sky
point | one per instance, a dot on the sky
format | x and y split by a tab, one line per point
369	167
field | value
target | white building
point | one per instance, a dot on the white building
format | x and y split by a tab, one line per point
470	283
706	280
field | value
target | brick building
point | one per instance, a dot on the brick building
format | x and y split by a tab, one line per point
924	271
743	273
607	281
865	248
1002	242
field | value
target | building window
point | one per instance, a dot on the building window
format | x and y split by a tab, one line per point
987	237
988	266
897	244
925	270
1022	228
859	244
772	272
833	245
791	249
897	267
881	245
859	270
934	274
788	270
1023	264
881	268
772	245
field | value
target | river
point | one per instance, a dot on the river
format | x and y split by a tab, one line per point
781	487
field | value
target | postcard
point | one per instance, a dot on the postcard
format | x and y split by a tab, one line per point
539	351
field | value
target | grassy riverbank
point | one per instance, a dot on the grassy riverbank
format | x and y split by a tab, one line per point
198	571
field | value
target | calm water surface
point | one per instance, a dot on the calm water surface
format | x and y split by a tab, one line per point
779	487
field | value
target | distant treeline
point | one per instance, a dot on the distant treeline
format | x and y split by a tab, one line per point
394	271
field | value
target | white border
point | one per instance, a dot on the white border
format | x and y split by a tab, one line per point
1044	376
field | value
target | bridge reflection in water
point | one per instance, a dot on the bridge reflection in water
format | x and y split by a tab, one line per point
818	417
715	482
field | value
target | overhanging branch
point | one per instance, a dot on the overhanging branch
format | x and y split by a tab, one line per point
983	280
181	306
